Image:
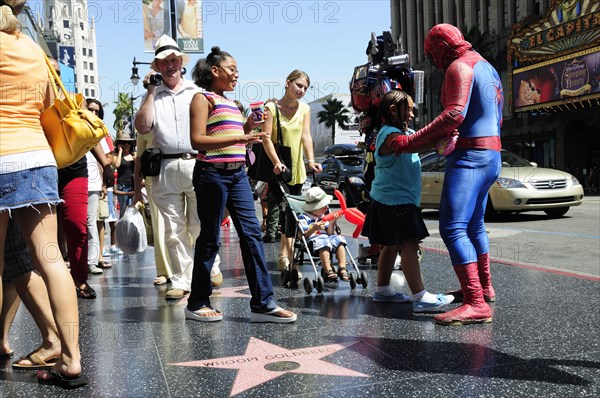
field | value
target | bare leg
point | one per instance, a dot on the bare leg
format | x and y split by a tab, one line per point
410	266
325	259
340	253
10	305
38	226
385	264
32	290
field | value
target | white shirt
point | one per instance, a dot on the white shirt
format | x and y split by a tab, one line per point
172	118
94	171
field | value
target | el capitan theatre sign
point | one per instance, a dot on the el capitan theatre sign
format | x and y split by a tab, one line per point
555	63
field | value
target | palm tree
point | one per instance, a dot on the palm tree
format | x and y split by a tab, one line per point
334	112
123	111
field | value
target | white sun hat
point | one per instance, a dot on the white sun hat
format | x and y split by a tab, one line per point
315	198
165	46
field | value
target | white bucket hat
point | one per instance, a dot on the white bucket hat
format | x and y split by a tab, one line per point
315	198
165	46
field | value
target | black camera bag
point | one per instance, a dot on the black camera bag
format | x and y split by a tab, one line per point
150	162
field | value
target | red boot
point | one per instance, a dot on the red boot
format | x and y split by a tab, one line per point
485	276
474	308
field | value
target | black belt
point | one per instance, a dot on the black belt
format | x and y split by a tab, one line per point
184	156
224	165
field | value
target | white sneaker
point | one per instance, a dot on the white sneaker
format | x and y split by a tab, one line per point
442	300
92	269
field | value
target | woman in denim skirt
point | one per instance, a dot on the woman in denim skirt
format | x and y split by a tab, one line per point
29	185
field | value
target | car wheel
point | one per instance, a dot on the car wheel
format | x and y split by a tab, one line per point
490	212
347	196
558	212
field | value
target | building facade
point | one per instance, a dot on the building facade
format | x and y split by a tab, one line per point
71	37
555	135
322	135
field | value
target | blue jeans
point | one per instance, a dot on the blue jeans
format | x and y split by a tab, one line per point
124	200
215	189
469	175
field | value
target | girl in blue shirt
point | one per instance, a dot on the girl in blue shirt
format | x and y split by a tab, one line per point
394	218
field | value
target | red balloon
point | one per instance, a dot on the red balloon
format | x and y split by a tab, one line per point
357	231
341	198
330	216
354	216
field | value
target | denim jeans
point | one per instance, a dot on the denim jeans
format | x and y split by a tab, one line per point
124	200
216	188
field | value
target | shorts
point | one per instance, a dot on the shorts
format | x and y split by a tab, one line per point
393	225
17	260
29	187
320	241
103	209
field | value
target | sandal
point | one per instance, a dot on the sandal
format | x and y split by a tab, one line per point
277	315
36	362
104	265
56	378
330	276
204	314
343	274
86	292
161	280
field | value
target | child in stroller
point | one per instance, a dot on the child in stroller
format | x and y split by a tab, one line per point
321	235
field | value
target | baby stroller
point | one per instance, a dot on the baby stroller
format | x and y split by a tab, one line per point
289	276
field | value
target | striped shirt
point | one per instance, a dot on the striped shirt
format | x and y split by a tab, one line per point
172	118
225	119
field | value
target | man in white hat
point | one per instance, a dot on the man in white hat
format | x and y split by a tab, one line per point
166	111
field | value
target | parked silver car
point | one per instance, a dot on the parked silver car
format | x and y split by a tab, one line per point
522	186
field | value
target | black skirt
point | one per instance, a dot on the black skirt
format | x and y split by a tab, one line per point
393	225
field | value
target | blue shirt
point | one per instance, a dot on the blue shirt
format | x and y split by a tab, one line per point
397	177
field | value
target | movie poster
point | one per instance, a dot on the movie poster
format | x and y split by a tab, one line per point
155	16
189	26
571	77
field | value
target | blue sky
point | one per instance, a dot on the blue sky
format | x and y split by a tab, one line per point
269	39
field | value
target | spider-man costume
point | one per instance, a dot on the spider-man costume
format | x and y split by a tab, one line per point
472	100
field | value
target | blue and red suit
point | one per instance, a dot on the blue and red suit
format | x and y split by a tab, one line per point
472	100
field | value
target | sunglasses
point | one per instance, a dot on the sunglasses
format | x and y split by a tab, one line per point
96	111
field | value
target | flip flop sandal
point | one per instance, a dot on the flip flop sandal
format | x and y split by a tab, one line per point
104	265
61	380
343	274
273	316
36	362
202	314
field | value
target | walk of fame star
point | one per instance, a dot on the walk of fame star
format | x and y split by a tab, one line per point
264	361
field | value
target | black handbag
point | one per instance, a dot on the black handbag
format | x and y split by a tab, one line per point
262	169
150	162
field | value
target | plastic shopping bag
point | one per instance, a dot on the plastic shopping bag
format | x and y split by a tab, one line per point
131	232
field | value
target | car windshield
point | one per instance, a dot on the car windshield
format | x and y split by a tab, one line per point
510	159
352	164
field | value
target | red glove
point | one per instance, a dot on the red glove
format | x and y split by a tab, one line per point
455	98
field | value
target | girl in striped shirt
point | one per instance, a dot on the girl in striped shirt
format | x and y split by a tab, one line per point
220	135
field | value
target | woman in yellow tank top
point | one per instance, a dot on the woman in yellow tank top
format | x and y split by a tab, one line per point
29	188
294	117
